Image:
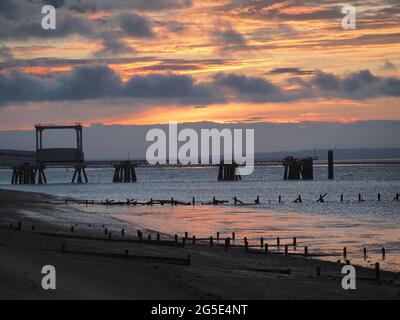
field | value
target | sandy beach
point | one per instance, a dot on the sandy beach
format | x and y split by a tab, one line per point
93	267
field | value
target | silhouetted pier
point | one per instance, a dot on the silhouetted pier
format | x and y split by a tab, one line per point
228	172
124	172
296	169
28	174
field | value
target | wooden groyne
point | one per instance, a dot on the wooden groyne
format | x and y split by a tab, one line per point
288	246
322	199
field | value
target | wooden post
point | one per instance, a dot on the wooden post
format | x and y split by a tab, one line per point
246	246
383	253
194	239
341	198
211	241
149	237
122	232
318	271
217	236
365	253
330	164
72	229
158	237
233	235
262	242
105	231
306	251
176	238
377	272
193	201
186	236
280	199
266	248
344	252
294	241
379	197
286	249
278	241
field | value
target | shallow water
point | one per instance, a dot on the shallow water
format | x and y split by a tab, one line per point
326	227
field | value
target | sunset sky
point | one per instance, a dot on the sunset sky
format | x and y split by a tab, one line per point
154	61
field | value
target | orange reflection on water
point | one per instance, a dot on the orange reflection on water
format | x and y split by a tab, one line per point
322	234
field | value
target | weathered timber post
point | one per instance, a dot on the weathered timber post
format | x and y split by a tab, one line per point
330	164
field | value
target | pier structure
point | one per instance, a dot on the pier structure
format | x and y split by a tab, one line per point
124	172
330	165
227	172
27	173
63	156
297	169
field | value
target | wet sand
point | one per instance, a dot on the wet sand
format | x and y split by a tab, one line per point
95	269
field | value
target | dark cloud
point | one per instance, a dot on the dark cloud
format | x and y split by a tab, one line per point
9	9
86	83
227	38
99	82
81	84
97	5
160	4
135	25
294	71
55	3
181	88
67	24
113	46
243	84
358	85
169	67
